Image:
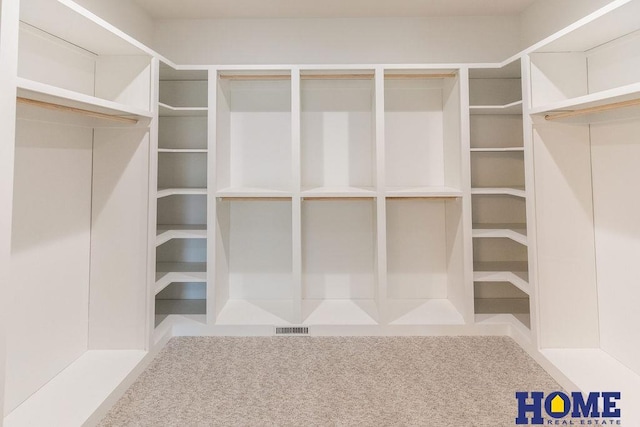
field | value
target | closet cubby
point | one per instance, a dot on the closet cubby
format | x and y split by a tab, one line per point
495	301
337	133
424	260
422	132
181	236
339	279
501	282
254	262
253	132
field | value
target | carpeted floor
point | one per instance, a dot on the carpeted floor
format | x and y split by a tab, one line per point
313	381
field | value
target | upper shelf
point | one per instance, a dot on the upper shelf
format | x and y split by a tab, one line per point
339	192
508	191
251	192
424	192
613	21
69	21
45	102
612	104
511	108
170	111
166	192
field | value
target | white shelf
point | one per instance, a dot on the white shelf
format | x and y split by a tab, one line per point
182	150
595	370
339	192
435	192
170	111
87	383
597	99
42	92
256	312
511	108
503	308
595	29
339	312
497	149
68	21
509	191
166	192
423	312
180	277
179	272
520	321
519	279
169	232
167	307
252	192
515	232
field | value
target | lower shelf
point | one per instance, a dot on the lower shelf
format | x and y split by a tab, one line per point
87	382
256	312
339	312
423	312
501	310
167	307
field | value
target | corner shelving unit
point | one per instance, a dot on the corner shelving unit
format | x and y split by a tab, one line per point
501	281
181	237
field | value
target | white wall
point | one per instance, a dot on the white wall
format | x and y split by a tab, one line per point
125	15
545	17
8	69
363	40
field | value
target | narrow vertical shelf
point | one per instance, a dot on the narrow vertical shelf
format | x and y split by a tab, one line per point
499	223
181	271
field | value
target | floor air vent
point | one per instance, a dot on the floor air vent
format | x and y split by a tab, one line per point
292	331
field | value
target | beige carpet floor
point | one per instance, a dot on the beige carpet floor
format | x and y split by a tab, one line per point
338	381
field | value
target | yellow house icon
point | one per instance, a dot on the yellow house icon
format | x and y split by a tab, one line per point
557	405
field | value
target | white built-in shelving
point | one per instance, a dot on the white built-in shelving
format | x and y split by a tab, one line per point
501	288
298	238
181	237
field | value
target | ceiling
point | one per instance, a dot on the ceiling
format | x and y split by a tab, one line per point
209	9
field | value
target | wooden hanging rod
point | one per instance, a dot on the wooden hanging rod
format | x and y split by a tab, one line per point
428	198
333	76
597	109
65	108
359	199
254	199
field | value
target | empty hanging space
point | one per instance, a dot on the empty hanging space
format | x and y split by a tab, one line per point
253	134
337	128
254	264
339	281
425	275
422	133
